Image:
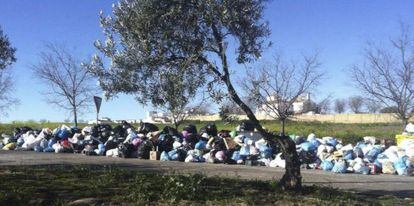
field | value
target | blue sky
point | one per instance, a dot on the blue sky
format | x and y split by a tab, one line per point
338	29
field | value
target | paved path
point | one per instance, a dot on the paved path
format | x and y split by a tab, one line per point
401	186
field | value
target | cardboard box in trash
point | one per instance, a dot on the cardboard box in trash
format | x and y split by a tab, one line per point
400	138
155	154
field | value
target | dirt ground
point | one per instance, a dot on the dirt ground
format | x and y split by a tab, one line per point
400	186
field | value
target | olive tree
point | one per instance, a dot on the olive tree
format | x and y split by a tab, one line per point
146	38
175	94
7	58
387	74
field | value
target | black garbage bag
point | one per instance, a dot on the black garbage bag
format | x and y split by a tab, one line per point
210	129
246	126
218	144
307	157
147	127
126	150
110	144
191	141
144	149
165	142
192	129
170	131
224	133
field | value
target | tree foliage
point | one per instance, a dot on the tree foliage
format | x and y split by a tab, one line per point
146	38
7	58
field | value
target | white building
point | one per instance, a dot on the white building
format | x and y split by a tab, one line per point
296	108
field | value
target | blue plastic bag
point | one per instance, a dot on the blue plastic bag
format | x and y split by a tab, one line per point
236	156
332	142
339	167
348	155
200	145
245	151
327	165
308	147
173	154
38	148
164	156
400	166
372	154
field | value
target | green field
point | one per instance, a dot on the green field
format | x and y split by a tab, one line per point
349	133
61	185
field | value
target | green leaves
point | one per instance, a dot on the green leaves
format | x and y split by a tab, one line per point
7	52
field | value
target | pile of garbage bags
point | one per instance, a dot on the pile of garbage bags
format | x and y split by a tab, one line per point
240	146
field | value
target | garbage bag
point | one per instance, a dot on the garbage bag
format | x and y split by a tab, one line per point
233	133
279	161
372	154
145	127
307	146
388	167
38	148
400	166
327	165
144	149
201	145
358	152
348	155
245	150
311	137
164	156
191	129
236	156
210	129
370	140
20	142
101	150
10	146
339	167
246	126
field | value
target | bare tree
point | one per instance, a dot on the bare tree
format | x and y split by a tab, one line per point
387	74
355	103
278	85
372	106
339	106
70	86
7	58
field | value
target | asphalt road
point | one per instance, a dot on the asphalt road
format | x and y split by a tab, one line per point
400	186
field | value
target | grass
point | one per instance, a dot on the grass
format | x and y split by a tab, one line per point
60	185
349	133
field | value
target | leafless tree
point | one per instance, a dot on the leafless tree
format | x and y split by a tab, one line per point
355	103
372	106
278	85
387	74
70	86
340	106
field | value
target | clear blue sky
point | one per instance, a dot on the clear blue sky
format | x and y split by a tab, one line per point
338	29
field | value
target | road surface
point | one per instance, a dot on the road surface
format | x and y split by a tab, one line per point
400	186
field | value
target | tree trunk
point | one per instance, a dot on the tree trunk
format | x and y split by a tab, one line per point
292	179
404	122
283	122
75	116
